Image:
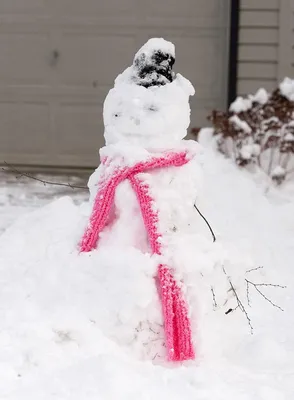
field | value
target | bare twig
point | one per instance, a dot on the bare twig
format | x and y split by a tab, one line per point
286	160
207	223
253	269
213	298
234	150
231	310
256	287
45	182
239	302
247	294
268	284
153	331
241	306
270	164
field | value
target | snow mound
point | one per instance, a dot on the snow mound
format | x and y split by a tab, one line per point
71	324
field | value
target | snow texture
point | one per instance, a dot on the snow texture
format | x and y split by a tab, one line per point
20	194
153	63
66	318
287	88
242	125
278	171
243	104
289	137
89	326
157	116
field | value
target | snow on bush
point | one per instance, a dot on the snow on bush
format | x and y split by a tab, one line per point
258	130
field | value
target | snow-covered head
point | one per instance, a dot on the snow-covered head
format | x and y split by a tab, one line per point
149	104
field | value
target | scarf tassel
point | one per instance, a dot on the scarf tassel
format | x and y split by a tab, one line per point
179	344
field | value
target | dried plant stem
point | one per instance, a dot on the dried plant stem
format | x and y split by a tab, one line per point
256	287
207	223
247	294
239	302
286	160
270	163
254	269
226	149
213	298
45	182
234	149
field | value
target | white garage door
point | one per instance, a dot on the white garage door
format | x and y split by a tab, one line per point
60	57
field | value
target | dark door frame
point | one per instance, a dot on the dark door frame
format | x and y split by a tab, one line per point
233	51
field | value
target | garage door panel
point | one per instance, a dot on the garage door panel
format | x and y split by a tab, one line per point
198	55
25	128
199	115
22	6
94	8
90	60
79	129
184	8
24	58
51	109
201	108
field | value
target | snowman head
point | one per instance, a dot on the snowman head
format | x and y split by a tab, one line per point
149	104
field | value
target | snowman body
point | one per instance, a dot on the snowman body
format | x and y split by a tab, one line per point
140	123
140	324
174	190
146	116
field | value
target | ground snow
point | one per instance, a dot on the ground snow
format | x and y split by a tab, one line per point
66	318
20	194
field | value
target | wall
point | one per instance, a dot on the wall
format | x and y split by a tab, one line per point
265	53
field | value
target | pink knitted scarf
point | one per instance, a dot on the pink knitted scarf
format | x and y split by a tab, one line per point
175	311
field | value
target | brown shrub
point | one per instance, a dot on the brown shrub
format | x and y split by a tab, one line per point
259	130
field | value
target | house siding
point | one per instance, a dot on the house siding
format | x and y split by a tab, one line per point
261	31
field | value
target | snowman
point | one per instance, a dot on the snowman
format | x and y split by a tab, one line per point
142	194
133	272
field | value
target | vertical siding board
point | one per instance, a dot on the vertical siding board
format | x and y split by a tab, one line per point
285	39
258	53
260	5
273	46
248	86
266	37
256	70
259	18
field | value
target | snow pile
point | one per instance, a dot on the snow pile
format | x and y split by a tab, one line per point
89	325
19	195
66	317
